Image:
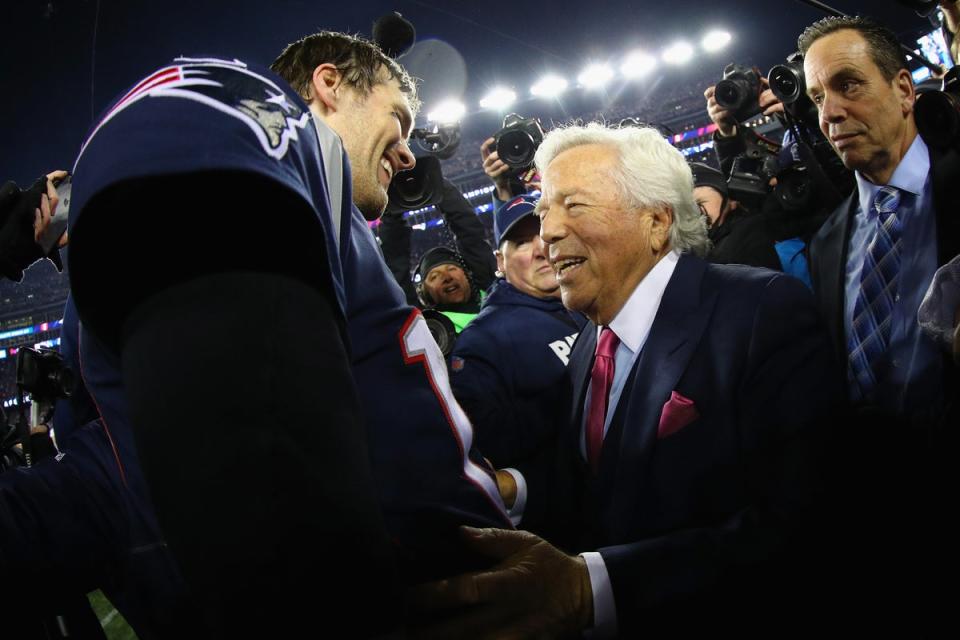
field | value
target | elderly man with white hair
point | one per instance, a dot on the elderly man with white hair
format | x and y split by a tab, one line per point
686	474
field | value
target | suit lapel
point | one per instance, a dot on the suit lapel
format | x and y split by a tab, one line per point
831	266
683	316
581	362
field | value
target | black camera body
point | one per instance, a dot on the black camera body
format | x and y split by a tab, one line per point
750	175
42	374
441	140
937	113
517	142
739	91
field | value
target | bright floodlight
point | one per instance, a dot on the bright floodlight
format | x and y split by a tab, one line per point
549	86
448	111
715	40
595	76
678	53
638	64
498	98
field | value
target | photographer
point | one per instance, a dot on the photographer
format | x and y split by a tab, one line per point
472	256
513	175
730	140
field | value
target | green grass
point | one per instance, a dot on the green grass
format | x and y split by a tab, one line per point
112	622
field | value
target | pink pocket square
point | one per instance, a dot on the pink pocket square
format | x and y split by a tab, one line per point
677	413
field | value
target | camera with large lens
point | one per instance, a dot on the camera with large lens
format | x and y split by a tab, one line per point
937	113
442	329
739	91
517	142
42	374
416	188
787	80
788	83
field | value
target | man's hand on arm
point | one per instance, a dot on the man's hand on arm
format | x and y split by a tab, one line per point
535	590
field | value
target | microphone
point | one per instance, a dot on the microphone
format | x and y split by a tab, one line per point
394	34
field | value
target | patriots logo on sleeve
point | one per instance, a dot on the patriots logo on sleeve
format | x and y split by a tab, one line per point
229	87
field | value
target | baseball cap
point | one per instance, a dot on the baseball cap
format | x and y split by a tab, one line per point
510	213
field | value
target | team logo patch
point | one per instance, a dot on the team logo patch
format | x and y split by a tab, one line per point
456	363
229	87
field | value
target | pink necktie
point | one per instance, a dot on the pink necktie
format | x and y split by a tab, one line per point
601	379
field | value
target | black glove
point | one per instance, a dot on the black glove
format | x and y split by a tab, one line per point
18	248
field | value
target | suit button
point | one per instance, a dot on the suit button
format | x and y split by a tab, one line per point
896	298
896	363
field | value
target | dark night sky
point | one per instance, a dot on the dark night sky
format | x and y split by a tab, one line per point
52	78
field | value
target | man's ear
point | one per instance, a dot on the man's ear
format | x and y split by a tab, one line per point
325	85
661	219
903	84
500	262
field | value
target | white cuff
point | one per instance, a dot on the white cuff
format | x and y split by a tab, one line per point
520	503
604	606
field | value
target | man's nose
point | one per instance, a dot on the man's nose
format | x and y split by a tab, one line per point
551	227
405	157
831	111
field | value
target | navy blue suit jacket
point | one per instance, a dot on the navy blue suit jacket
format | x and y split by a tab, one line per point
695	522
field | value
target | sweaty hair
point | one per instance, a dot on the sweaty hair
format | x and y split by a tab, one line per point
360	61
881	42
650	173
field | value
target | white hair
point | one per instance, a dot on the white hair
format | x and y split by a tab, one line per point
651	173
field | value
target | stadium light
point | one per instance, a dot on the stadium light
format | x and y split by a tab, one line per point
595	76
499	99
549	86
638	64
447	112
678	53
715	40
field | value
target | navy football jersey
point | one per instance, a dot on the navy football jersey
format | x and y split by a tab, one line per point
205	114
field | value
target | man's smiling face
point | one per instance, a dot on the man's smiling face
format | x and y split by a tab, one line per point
374	129
447	284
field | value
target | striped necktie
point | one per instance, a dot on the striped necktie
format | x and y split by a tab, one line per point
873	314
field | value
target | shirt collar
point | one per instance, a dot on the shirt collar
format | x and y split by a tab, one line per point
910	175
633	322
